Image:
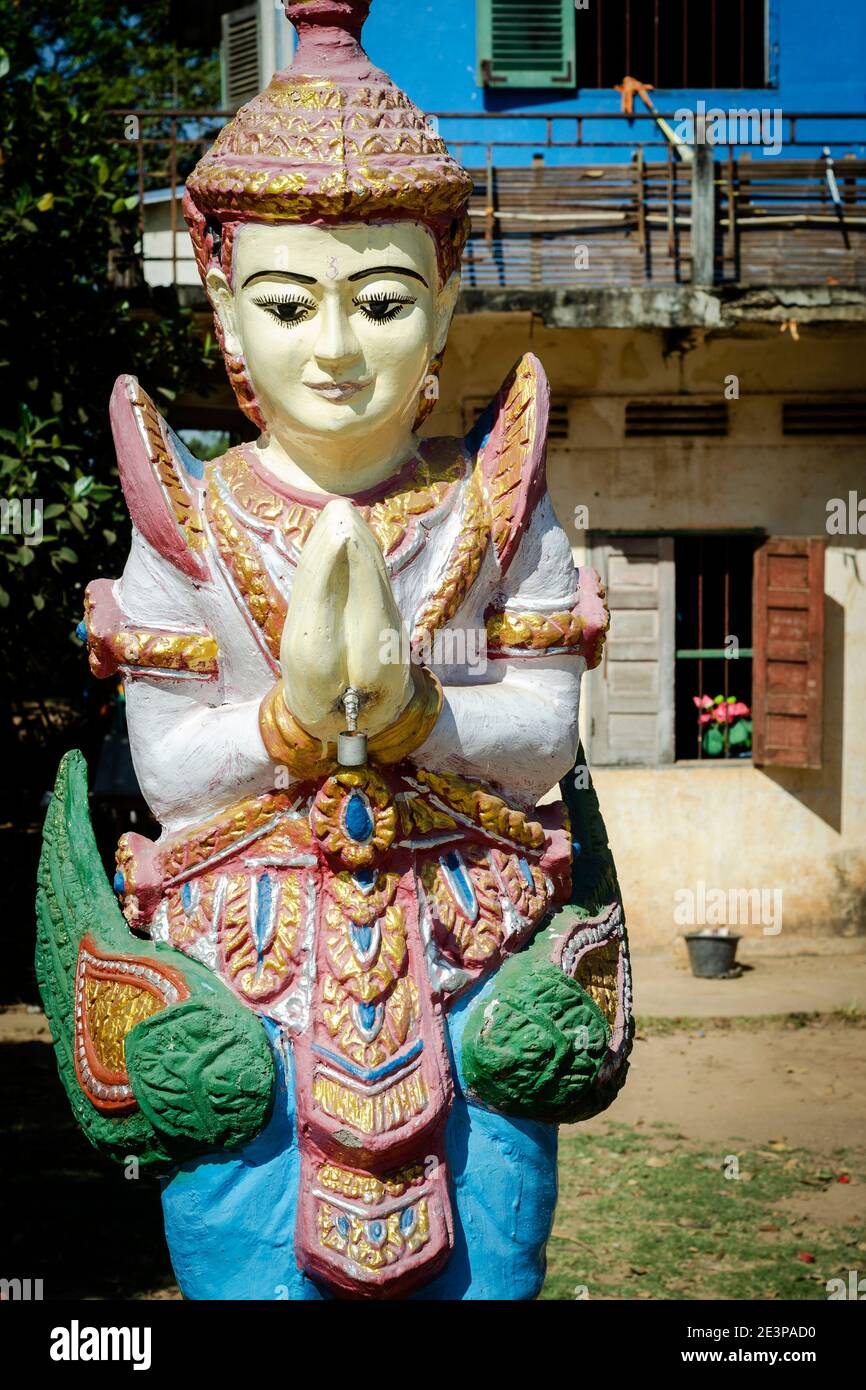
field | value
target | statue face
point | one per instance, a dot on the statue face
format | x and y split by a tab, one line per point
338	326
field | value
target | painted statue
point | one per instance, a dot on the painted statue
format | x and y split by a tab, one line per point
342	1003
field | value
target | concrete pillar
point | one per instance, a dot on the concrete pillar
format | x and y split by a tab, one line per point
703	216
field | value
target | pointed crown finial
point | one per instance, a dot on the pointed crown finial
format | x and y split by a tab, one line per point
348	15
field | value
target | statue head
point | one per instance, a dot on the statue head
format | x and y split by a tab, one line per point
328	221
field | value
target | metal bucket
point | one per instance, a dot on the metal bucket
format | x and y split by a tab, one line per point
712	957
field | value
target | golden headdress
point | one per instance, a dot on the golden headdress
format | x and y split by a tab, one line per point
331	140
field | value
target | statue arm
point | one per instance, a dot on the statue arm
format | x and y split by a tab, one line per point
196	746
516	722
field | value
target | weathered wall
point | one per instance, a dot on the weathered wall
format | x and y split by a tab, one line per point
733	826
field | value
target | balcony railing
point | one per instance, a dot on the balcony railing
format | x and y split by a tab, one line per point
588	200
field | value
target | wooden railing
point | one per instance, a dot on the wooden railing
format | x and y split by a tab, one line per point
546	214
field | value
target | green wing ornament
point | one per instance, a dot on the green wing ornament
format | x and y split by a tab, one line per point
551	1040
159	1059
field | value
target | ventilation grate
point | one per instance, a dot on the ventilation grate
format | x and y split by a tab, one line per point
824	417
558	423
683	419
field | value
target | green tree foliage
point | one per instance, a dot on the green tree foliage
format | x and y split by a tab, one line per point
69	70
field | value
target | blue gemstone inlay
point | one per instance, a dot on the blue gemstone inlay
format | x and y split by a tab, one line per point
361	937
527	873
461	883
367	1015
575	846
365	878
359	822
342	1225
81	631
264	893
377	1230
119	883
186	898
371	1073
407	1220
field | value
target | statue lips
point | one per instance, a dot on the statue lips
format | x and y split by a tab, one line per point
339	390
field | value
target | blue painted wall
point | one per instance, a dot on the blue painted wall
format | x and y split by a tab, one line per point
818	58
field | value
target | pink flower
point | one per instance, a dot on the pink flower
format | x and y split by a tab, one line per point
702	701
739	710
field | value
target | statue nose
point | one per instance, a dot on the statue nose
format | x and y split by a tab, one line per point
336	342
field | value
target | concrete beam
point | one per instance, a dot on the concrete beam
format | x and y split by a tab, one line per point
675	306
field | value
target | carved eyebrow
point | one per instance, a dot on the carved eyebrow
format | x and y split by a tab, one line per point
389	270
280	275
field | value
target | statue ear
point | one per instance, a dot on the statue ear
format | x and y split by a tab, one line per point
223	304
446	303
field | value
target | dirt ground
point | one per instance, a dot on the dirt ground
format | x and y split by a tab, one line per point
804	1085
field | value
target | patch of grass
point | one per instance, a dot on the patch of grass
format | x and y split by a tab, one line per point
645	1214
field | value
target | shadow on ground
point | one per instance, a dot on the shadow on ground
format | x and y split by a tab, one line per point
71	1219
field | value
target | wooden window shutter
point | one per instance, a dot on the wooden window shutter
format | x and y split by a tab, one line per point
788	652
526	43
239	56
631	695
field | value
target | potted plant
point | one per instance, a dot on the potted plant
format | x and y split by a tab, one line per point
727	726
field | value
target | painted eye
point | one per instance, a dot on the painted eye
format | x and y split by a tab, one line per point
289	312
382	308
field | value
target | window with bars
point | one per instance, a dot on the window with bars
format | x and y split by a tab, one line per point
676	603
673	43
713	652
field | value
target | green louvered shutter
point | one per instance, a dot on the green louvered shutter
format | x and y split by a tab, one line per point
526	43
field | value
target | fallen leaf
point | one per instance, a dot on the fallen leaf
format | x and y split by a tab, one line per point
806	1257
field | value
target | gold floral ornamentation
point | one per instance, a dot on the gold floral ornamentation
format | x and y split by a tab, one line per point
372	1114
150	649
515	872
598	973
185	509
364	1187
349	1235
252	819
419	817
387	953
400	1017
113	1010
503	478
463	563
333	803
471	941
259	973
188	924
439	465
361	907
239	554
483	808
